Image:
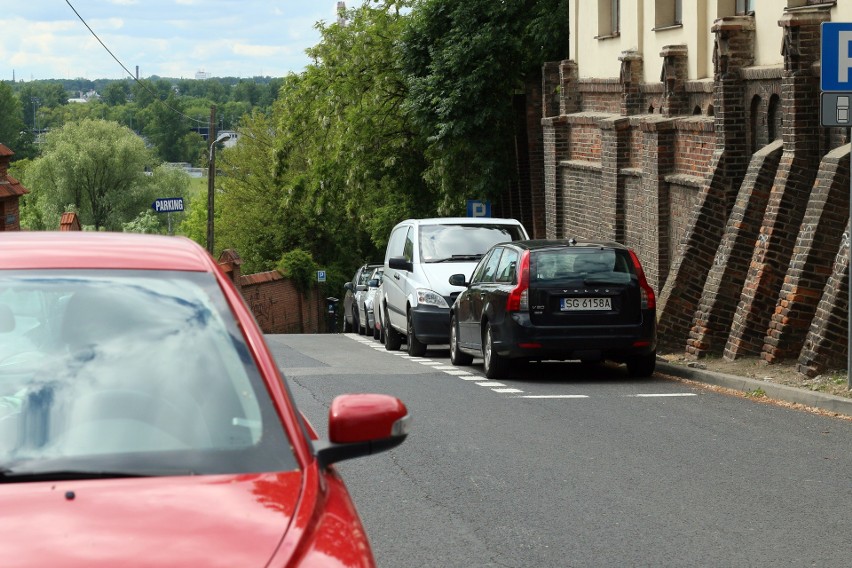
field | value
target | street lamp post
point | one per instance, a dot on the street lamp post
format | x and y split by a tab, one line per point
211	175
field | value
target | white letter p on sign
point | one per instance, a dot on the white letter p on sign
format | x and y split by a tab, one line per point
844	62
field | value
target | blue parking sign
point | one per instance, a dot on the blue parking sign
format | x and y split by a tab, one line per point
836	56
478	208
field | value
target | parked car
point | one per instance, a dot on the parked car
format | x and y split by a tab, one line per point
420	256
373	289
353	301
555	299
150	424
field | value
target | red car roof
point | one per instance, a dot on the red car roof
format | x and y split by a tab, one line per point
34	250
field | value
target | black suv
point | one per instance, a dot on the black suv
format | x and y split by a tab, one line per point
555	300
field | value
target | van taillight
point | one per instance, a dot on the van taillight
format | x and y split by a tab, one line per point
649	301
519	297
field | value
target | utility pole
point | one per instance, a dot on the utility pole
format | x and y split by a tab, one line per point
211	176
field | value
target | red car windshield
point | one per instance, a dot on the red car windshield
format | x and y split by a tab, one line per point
133	372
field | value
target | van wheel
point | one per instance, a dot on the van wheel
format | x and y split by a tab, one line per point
495	365
457	357
393	339
415	348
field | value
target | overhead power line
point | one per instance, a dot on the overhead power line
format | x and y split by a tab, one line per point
132	76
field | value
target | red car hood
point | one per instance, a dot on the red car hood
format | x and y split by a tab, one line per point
222	520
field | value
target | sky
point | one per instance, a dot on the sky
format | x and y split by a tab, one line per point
44	39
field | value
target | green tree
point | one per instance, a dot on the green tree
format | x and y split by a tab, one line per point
12	124
168	129
115	94
464	62
96	166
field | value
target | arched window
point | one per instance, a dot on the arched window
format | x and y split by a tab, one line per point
696	110
650	109
710	110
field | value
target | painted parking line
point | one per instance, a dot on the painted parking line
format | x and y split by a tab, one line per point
507	391
662	395
553	396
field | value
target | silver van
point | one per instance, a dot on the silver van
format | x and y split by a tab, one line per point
421	256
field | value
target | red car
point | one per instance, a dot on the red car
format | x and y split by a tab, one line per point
144	422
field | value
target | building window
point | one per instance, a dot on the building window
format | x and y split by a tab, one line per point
745	7
668	13
608	18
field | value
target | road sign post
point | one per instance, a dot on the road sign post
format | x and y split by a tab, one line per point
836	111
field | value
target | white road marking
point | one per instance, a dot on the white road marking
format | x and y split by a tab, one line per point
490	384
553	396
507	391
661	395
460	373
470	377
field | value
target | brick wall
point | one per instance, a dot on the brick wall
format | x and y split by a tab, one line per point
279	307
733	196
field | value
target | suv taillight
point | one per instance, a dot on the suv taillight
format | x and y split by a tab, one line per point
519	297
649	301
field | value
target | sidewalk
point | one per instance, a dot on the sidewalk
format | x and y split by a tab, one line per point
822	401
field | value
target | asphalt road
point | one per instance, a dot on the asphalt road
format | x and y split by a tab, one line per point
580	466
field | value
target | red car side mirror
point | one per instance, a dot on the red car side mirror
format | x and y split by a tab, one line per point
363	424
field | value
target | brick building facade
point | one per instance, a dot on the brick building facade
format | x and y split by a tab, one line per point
732	194
11	191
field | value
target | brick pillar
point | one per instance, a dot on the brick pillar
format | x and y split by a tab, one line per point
550	89
556	131
681	294
630	79
826	344
658	134
813	255
712	321
788	200
674	76
230	262
569	94
615	155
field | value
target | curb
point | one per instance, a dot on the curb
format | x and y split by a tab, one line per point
814	399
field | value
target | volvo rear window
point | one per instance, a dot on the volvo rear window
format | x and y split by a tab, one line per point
591	266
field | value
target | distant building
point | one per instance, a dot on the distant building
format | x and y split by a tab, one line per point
201	75
85	97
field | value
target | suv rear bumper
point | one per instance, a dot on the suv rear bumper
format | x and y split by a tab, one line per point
431	324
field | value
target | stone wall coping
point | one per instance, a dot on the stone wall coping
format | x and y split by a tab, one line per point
805	16
658	123
653	88
699	86
588	117
762	72
695	123
631	172
685	179
733	23
260	277
554	120
583	165
599	86
615	123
